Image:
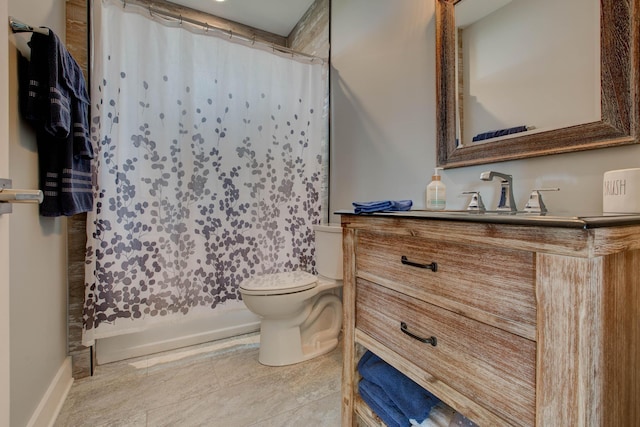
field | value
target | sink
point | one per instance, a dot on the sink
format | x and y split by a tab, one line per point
584	220
473	212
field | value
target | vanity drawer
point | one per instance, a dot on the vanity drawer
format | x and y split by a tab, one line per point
492	367
492	285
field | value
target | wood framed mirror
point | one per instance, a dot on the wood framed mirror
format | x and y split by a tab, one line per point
619	95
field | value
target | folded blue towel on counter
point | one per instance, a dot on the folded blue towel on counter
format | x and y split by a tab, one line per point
394	392
383	205
499	132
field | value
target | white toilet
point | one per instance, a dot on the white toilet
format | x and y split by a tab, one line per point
301	313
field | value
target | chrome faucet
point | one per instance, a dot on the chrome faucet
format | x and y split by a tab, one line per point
507	203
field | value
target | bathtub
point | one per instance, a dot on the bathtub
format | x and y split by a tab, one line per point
169	336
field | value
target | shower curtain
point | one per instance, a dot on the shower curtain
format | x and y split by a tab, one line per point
208	169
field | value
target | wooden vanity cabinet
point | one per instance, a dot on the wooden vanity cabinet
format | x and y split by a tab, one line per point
534	324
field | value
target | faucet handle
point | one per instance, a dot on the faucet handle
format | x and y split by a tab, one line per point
535	203
476	201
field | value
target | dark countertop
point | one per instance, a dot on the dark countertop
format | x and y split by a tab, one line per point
518	218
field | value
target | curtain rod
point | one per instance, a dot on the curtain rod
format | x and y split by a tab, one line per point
21	27
208	27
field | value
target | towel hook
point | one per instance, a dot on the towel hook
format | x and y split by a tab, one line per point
20	27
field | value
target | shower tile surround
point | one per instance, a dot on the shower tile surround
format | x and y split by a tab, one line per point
213	384
309	36
76	41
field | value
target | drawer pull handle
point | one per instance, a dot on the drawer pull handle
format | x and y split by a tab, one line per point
431	340
433	266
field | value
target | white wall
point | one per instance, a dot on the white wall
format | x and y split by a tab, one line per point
4	228
38	286
383	120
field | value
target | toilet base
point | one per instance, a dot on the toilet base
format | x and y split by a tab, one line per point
283	342
289	354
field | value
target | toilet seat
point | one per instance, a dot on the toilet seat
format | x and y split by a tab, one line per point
279	283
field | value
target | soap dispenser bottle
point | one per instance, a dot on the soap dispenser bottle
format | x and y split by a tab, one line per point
436	192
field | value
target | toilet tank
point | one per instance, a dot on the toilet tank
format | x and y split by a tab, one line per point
329	250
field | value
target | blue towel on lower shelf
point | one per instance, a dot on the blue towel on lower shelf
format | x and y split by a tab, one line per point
399	393
380	403
383	205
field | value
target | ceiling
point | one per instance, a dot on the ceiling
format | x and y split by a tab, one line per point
468	12
275	16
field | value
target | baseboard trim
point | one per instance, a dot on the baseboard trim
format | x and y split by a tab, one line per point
170	336
49	407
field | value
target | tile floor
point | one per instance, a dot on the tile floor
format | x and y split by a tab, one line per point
214	384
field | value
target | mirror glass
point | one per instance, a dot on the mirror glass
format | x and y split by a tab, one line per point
525	66
533	78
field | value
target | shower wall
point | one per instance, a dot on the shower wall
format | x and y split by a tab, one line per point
311	35
76	41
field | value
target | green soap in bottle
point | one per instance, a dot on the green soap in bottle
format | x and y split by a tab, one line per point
436	193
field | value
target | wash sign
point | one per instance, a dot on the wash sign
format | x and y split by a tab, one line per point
621	191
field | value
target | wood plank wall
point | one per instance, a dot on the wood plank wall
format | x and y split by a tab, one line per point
78	46
311	36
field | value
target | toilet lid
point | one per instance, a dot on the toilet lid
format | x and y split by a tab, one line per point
279	283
